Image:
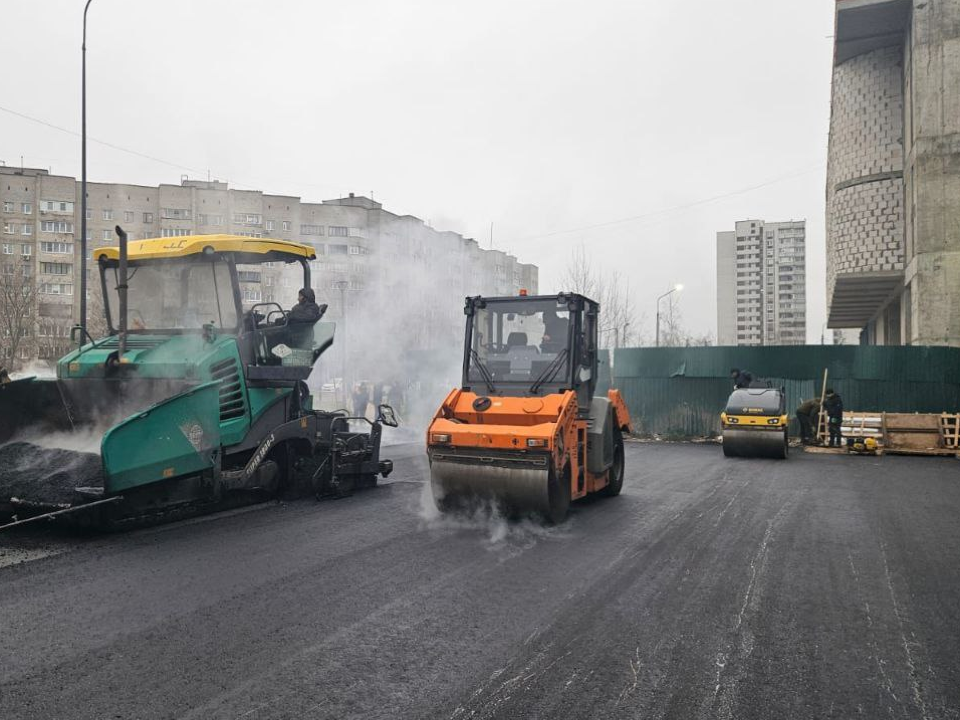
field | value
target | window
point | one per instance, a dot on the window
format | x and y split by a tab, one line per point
268	280
251	295
177	294
26	250
250	234
7	249
57	248
354	232
55	289
356	250
338	231
249	276
210	219
271	225
127	216
108	214
53	268
285	226
174	232
247	219
176	213
56	226
64	206
26	208
338	249
26	229
148	218
89	214
9	229
311	229
8	207
107	234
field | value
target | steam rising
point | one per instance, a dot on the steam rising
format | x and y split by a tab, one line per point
400	328
485	518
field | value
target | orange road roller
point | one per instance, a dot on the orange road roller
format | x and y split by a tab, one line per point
526	430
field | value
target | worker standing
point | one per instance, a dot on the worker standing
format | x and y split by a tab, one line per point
807	415
741	378
833	405
360	398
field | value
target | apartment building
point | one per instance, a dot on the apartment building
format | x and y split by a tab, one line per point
761	284
380	271
893	172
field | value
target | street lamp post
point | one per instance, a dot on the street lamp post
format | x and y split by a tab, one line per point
675	288
83	173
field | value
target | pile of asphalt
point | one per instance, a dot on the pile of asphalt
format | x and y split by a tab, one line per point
46	475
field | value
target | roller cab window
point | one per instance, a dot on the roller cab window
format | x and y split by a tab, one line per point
762	401
522	344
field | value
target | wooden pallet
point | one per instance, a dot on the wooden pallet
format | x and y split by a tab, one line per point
950	430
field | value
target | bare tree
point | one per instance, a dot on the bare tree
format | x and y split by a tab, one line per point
673	333
620	324
96	311
18	295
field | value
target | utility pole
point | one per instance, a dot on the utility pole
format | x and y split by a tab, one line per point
83	173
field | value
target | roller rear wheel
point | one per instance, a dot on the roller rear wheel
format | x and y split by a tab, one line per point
617	469
558	493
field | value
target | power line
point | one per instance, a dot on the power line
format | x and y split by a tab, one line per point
684	206
100	142
178	166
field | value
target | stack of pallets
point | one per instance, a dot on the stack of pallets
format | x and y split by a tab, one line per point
903	433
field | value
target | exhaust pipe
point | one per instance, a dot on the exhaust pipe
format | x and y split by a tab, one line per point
122	292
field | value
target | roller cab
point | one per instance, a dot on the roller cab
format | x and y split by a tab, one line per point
526	431
754	423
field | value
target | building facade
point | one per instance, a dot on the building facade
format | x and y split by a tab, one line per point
761	284
386	278
893	173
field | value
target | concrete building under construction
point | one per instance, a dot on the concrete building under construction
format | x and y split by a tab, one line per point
893	175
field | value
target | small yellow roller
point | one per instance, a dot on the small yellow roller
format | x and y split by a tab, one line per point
755	423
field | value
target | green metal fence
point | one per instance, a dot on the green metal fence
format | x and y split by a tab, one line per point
681	391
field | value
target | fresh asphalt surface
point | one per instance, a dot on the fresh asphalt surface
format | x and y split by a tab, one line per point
819	587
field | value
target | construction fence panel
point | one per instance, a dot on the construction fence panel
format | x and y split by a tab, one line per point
680	392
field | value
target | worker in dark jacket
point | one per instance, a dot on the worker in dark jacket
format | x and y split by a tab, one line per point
306	310
808	415
741	378
554	331
833	405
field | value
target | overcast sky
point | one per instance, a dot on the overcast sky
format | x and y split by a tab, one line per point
637	128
